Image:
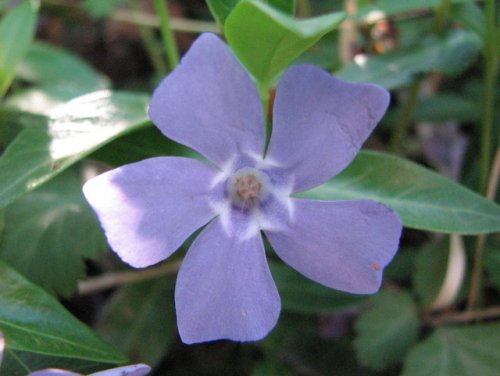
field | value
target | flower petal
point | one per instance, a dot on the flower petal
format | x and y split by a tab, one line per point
341	244
2	346
210	104
225	290
148	209
320	123
54	372
130	370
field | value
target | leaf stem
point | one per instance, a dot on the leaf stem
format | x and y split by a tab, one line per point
490	81
464	317
404	120
477	271
167	33
439	22
116	279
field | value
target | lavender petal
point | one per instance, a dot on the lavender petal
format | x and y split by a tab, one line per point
225	290
210	104
320	123
341	244
149	208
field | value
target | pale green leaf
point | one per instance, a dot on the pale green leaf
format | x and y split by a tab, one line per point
267	40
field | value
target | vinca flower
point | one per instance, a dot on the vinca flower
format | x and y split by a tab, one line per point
224	287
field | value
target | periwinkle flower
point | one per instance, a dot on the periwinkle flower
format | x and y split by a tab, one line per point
224	287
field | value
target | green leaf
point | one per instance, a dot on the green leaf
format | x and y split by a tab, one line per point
267	41
450	54
49	231
33	321
140	320
491	263
470	15
222	8
392	7
139	145
445	107
17	29
99	8
299	294
387	330
45	64
74	131
430	271
424	199
457	351
19	363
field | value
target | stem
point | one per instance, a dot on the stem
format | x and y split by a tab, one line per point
463	317
115	279
404	120
167	33
477	271
151	45
490	78
441	15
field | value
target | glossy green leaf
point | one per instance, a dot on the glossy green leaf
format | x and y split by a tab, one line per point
299	294
49	231
17	29
387	330
33	321
450	54
73	131
267	41
457	351
19	363
141	144
59	77
140	320
424	199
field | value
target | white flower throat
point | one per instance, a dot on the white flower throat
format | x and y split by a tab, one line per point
247	187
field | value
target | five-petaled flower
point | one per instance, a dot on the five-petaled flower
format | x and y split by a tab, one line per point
224	287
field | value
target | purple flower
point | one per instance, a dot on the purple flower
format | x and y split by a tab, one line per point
224	287
132	370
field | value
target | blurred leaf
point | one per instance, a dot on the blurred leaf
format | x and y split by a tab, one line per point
430	271
391	7
17	29
450	55
267	41
33	321
492	264
222	8
424	199
59	75
401	266
470	15
139	145
387	330
45	64
74	131
457	351
299	294
140	320
445	107
271	366
99	8
49	231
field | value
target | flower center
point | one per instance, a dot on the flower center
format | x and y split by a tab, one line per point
247	187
